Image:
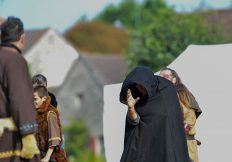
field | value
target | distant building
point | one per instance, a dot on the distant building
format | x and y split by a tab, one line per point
50	54
82	90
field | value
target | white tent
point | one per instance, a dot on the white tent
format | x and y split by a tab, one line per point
205	70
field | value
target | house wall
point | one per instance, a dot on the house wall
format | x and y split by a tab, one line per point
81	97
51	56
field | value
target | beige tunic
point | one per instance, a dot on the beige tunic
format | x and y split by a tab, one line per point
54	137
190	119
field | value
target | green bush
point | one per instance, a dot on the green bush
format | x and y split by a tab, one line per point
77	143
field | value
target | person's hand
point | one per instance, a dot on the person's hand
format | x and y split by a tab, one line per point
130	100
48	154
45	159
187	127
30	148
6	124
10	125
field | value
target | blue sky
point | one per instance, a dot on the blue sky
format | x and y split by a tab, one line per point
188	5
61	14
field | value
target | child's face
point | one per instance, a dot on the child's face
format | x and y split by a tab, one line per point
37	100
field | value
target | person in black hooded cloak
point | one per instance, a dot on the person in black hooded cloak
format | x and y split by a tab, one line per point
154	130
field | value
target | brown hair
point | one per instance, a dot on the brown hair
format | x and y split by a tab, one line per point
41	90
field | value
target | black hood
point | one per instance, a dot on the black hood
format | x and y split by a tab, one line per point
140	75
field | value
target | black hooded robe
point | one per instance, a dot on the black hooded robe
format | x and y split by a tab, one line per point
160	135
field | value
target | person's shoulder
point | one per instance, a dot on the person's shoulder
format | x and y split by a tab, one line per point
14	61
162	79
15	58
163	82
51	114
7	54
53	109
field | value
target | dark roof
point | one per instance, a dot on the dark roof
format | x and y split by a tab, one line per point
31	38
107	69
223	17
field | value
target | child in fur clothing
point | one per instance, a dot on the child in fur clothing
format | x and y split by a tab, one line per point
49	135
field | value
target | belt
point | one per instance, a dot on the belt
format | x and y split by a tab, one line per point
7	154
190	137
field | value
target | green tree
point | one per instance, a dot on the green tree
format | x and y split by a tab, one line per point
159	42
77	143
164	39
131	13
160	34
126	12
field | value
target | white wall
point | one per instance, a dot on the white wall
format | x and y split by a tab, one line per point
113	123
206	71
51	56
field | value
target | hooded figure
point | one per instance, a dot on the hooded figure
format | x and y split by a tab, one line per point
157	134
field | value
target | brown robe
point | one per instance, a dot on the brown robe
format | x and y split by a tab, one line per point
16	101
50	131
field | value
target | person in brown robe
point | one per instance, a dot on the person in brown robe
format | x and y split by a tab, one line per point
50	133
190	109
17	114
